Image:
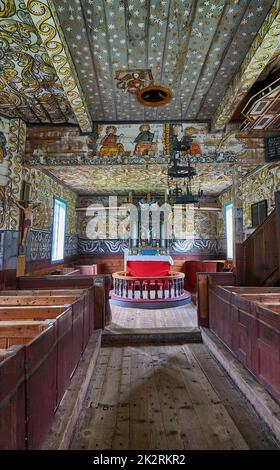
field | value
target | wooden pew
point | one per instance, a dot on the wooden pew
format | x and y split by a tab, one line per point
204	281
37	300
100	284
49	353
12	398
73	331
26	421
31	312
247	320
55	297
20	331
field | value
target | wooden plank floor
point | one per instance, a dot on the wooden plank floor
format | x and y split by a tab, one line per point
165	397
161	318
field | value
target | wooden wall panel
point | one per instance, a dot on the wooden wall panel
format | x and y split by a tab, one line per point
261	254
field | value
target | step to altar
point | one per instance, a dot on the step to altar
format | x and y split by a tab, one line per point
112	336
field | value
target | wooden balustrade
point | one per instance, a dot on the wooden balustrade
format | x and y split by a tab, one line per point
148	288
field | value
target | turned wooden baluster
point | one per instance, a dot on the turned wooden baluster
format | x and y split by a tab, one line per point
141	289
121	287
149	289
156	289
175	287
126	289
170	282
118	287
182	286
133	289
163	288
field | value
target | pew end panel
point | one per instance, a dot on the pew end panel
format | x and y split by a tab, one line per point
12	400
204	281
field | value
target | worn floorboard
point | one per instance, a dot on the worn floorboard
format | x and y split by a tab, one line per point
161	318
165	397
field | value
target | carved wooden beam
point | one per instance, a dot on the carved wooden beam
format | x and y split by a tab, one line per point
262	50
47	24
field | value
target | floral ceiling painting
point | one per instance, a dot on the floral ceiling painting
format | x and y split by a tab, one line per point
195	48
29	86
140	179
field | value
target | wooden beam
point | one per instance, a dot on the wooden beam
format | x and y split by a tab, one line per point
48	27
264	47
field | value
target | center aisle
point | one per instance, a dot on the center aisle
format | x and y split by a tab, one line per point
165	397
181	317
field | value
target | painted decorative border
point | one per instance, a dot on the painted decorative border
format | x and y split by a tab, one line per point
266	43
197	246
15	152
71	246
39	246
81	160
47	24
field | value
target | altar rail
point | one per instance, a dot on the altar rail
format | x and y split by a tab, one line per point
155	287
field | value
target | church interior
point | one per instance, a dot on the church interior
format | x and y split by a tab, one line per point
140	225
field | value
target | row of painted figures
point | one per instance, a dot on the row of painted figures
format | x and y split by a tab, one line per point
145	143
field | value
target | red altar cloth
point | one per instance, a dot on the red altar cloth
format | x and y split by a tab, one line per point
148	268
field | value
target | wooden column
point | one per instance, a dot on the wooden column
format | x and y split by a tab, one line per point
277	206
238	234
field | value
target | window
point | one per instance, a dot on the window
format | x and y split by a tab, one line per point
58	235
259	212
229	230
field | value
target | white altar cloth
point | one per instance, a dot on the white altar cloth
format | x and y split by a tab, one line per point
150	258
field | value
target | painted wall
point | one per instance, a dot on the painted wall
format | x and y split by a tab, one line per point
261	184
43	188
198	235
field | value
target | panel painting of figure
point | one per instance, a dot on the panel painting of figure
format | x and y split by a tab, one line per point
140	140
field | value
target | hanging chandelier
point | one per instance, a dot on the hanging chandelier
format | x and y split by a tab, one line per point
177	172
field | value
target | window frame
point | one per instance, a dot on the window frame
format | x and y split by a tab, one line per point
227	206
56	198
257	205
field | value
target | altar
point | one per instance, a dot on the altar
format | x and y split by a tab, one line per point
151	263
148	265
148	282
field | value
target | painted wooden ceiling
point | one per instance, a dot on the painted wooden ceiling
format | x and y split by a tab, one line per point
29	86
119	180
193	47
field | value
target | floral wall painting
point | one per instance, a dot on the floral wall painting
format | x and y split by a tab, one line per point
4	130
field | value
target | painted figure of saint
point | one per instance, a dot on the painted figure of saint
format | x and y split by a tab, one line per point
187	144
111	145
144	142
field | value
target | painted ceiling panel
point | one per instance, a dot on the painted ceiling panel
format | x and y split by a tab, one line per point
231	59
193	47
29	86
115	179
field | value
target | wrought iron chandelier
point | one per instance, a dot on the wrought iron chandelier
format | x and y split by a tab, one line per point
176	172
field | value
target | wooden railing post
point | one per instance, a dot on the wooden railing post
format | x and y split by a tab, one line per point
156	289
